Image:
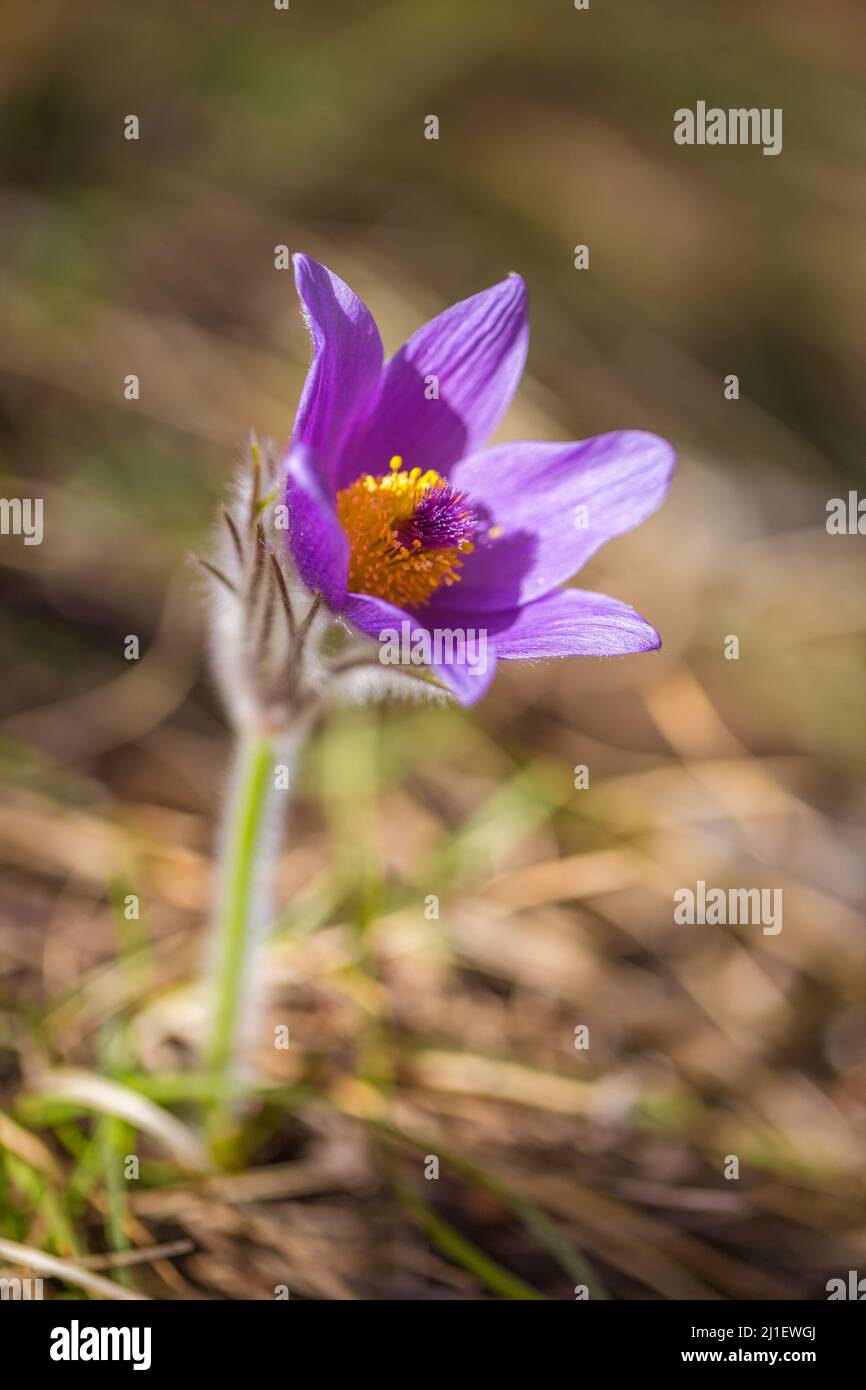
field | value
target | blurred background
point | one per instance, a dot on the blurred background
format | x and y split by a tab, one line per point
451	1038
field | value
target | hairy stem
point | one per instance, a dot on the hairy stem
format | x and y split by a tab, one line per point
242	917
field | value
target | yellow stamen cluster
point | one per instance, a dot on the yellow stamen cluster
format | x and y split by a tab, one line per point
372	511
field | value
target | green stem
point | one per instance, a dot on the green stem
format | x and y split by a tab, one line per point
243	914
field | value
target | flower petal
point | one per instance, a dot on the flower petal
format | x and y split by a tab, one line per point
345	371
532	492
572	622
475	350
316	539
461	659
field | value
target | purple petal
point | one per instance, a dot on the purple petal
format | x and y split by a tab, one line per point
461	659
532	491
316	539
476	351
572	622
347	362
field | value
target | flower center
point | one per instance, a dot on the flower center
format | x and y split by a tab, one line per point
407	531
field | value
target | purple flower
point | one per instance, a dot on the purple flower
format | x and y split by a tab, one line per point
398	514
